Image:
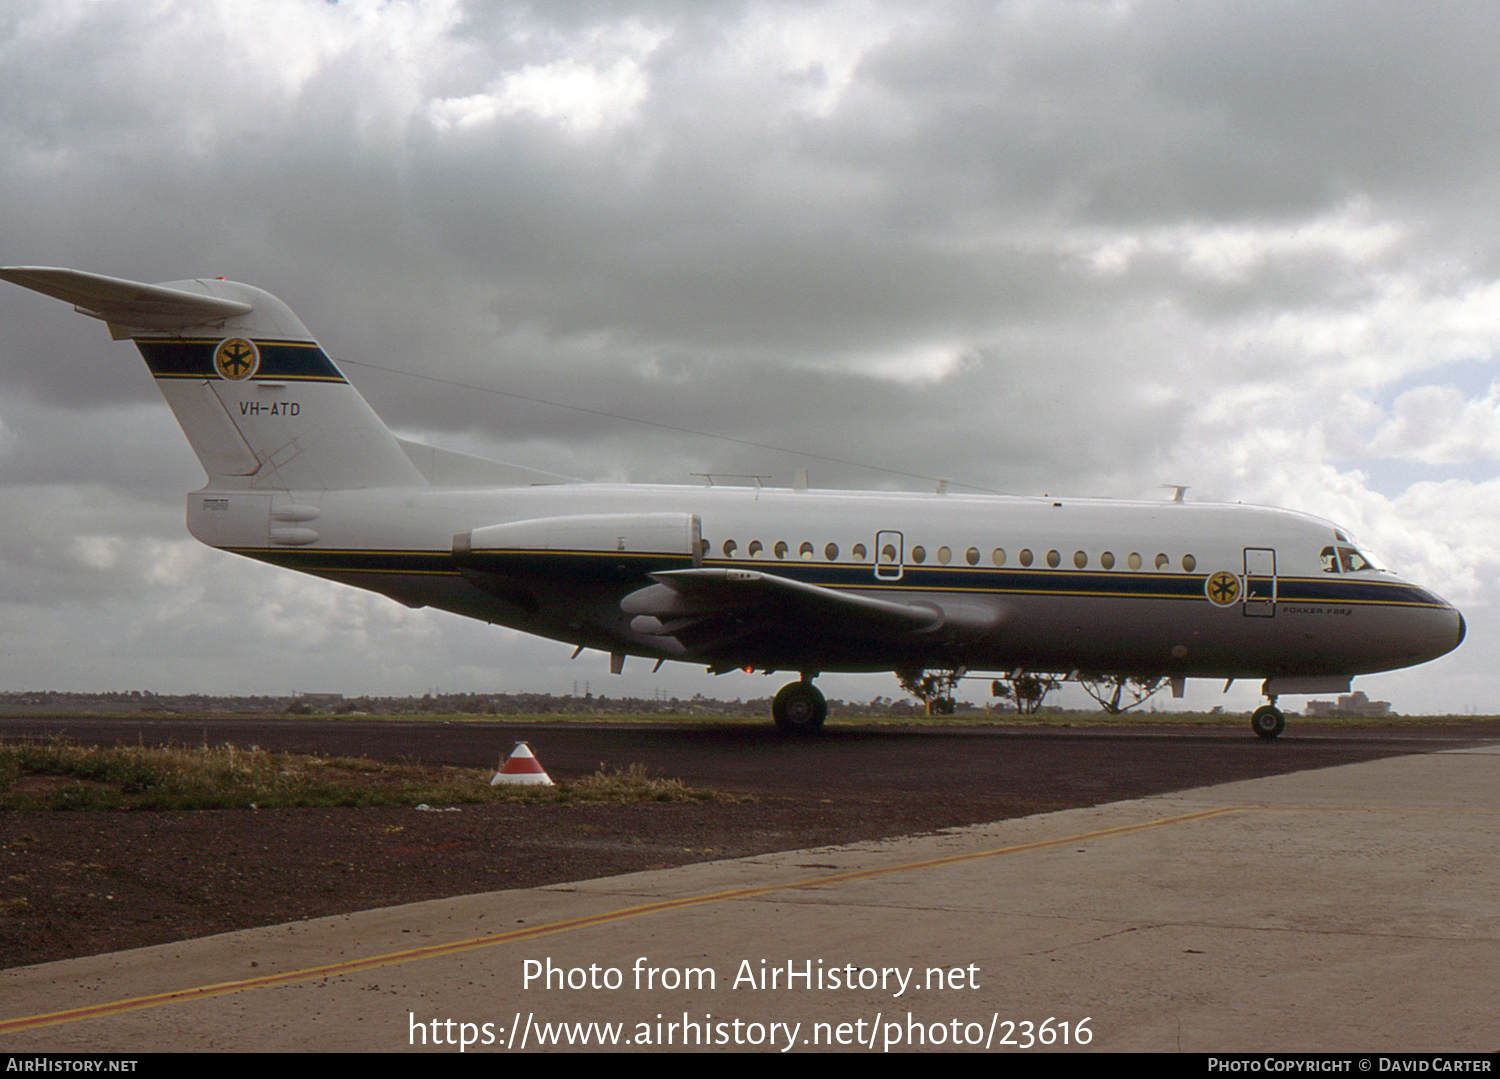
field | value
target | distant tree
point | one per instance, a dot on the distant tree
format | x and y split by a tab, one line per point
1109	690
935	689
1027	690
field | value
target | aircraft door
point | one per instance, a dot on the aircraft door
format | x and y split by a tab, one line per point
890	555
1260	582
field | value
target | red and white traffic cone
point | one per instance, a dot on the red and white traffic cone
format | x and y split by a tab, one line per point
523	769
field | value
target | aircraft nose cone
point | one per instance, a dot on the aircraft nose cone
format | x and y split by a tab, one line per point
1454	629
1432	630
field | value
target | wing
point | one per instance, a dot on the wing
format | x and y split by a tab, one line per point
704	610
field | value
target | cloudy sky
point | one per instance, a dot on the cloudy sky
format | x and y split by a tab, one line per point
1077	247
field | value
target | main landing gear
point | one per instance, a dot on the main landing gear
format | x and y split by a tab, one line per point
1267	721
799	708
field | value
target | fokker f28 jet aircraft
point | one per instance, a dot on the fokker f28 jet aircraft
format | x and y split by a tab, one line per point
303	474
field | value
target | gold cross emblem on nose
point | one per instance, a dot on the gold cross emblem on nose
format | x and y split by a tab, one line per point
1222	588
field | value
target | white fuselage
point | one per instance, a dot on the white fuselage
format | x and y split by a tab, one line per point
1043	584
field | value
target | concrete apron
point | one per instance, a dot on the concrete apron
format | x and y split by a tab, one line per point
1348	909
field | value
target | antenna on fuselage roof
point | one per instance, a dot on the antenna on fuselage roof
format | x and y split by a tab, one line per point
1180	488
708	477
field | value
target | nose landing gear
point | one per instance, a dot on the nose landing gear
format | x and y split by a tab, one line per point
799	708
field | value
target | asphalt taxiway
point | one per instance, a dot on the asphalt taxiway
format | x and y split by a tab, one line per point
1348	908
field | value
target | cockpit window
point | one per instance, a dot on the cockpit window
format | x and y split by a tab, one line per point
1344	560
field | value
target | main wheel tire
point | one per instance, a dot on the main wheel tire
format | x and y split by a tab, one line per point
799	708
1267	722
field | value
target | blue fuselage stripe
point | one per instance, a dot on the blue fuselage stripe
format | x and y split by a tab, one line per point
629	568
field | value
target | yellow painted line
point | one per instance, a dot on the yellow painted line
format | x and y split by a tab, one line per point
433	951
1446	810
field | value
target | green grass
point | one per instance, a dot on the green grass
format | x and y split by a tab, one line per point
62	775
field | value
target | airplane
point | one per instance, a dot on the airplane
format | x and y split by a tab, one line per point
302	474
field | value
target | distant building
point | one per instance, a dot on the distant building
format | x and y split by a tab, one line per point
1355	704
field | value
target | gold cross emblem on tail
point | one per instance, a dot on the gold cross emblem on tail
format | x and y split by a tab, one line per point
236	359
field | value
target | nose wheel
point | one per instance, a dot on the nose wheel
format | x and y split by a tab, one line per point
1267	721
799	708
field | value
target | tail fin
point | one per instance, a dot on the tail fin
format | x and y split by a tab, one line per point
262	404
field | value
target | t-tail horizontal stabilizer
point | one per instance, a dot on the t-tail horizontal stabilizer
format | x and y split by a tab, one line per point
126	305
262	404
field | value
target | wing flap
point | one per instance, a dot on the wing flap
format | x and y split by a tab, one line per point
125	303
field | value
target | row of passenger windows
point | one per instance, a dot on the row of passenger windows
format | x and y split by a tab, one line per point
944	555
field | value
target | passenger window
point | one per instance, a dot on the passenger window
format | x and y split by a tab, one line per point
1025	556
755	548
972	555
945	555
1134	561
780	549
1080	559
805	551
729	548
888	553
997	556
703	546
859	551
1162	561
1053	559
1107	560
919	554
831	552
1189	563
